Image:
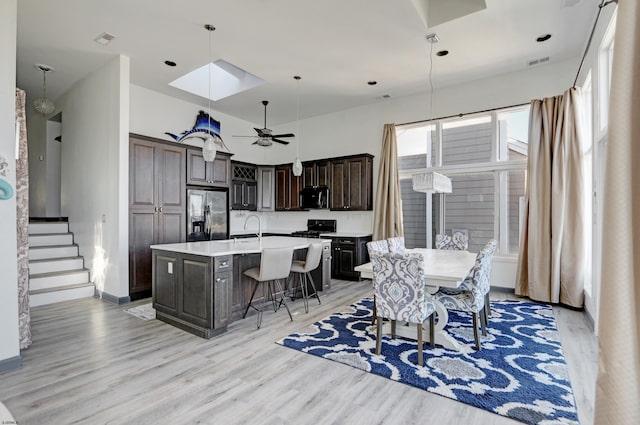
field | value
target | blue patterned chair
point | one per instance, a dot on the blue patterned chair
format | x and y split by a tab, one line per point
457	241
382	246
399	287
473	294
396	245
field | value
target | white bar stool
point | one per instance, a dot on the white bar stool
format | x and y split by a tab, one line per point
303	270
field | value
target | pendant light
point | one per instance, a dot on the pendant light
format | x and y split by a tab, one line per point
297	165
43	104
209	146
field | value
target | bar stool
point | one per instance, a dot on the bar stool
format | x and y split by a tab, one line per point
275	264
303	270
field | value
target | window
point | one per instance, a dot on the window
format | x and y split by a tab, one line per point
485	157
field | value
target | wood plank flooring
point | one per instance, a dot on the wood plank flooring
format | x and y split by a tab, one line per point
91	363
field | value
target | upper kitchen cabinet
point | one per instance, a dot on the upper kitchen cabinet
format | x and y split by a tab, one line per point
244	186
266	188
316	173
157	205
287	189
202	173
351	187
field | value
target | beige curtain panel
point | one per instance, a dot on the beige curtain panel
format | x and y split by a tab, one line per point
618	386
387	213
552	253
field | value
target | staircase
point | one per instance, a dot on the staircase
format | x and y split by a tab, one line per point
56	271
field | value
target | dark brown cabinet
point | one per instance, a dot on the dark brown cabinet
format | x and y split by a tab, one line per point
244	195
347	253
244	186
193	292
156	205
351	185
287	189
316	173
202	173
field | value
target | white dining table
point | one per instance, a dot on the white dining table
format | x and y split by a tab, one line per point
443	268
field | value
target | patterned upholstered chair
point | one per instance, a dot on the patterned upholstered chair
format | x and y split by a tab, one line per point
381	246
396	245
457	241
399	286
472	295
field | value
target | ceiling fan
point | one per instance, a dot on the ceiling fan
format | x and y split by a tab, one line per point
265	136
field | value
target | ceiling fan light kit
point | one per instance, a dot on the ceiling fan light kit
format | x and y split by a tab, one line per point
43	104
265	135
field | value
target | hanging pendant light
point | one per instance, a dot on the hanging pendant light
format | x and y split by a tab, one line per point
297	165
43	104
209	146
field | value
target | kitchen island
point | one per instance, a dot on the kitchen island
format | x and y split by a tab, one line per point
199	286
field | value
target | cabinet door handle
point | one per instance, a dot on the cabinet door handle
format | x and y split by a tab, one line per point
156	209
160	209
218	279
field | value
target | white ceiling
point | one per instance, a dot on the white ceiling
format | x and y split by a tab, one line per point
335	45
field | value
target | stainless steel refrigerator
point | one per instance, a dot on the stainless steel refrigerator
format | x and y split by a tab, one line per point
207	214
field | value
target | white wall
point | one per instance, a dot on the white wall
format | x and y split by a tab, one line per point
95	172
52	160
9	346
36	134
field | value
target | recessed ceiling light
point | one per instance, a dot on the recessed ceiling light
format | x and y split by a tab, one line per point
104	38
543	38
372	83
443	53
170	63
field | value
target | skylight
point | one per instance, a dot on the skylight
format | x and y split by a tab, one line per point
226	80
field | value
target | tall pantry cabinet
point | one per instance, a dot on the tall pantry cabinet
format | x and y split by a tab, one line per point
157	178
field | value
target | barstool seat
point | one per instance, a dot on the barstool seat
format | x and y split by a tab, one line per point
275	264
303	270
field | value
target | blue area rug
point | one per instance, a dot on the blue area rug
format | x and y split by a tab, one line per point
519	373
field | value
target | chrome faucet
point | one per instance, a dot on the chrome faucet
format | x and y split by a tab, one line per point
246	220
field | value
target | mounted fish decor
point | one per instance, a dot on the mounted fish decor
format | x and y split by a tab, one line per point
203	127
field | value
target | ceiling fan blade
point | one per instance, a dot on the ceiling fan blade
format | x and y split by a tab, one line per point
237	135
280	141
284	135
255	143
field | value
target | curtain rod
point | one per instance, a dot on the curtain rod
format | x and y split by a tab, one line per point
462	114
593	30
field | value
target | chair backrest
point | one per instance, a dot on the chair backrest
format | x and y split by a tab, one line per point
380	245
396	244
399	286
479	277
275	263
314	254
458	241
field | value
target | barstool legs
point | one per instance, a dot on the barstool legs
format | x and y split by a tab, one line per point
304	279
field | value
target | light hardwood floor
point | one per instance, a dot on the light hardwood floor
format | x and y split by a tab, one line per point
91	363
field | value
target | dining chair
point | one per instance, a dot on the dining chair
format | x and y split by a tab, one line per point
381	245
302	269
457	241
399	286
275	265
472	294
396	244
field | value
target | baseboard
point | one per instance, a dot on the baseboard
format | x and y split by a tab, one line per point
12	363
503	289
104	296
589	319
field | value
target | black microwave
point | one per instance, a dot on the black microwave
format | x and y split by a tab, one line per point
314	197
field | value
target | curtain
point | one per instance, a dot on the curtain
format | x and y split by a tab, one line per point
387	213
618	385
22	225
551	265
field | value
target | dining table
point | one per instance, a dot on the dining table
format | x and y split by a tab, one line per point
443	268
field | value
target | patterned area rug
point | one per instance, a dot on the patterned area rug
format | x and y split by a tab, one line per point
144	312
519	373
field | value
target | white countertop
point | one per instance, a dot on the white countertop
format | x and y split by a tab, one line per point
239	246
345	235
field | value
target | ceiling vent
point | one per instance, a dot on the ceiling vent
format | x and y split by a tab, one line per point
104	38
538	61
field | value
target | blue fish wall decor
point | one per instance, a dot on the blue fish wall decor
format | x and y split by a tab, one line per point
204	126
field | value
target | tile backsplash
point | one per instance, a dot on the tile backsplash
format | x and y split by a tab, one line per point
356	221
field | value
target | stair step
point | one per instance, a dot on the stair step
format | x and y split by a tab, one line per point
55	265
37	228
65	293
49	252
55	279
49	239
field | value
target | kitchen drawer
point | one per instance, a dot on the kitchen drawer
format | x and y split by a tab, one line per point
223	263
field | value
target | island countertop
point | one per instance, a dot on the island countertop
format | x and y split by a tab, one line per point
217	248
